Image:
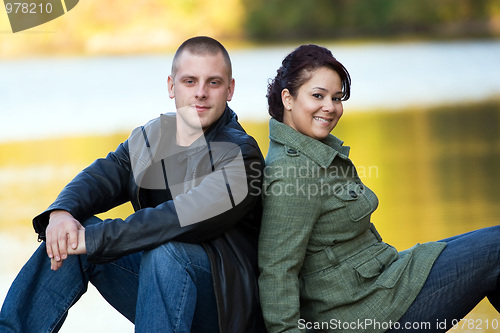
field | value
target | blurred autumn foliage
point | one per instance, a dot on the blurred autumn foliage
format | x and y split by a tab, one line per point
292	19
138	26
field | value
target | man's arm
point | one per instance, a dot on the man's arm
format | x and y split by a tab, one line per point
98	188
105	184
150	227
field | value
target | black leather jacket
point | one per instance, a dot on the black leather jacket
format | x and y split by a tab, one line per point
229	237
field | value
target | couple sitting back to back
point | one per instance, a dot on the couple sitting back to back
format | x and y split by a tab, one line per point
217	245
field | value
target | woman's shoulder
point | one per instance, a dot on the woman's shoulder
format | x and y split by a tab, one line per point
289	164
282	154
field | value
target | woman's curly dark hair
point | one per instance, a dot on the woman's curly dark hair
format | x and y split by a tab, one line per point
295	70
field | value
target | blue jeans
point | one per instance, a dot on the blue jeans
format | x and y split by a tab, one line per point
467	271
39	298
176	291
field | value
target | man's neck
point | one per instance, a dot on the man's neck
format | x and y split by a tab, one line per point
185	135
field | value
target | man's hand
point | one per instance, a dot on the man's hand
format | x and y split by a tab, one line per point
64	235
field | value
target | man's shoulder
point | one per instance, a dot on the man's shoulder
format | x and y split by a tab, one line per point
234	134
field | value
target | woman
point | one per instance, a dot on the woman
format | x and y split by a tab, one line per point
323	264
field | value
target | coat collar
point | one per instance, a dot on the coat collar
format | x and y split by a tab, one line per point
322	152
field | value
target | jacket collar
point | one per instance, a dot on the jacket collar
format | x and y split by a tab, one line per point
227	117
322	152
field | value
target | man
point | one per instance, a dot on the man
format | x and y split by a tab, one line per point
186	259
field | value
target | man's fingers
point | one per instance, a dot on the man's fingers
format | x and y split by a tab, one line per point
61	233
55	250
62	243
48	245
53	246
81	248
55	265
73	239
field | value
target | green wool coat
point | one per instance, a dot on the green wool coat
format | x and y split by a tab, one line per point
322	263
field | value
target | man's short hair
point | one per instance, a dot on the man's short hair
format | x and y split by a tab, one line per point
202	45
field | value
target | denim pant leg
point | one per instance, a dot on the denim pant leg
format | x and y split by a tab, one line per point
176	291
467	271
39	298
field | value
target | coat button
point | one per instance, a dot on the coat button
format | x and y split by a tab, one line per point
291	151
353	194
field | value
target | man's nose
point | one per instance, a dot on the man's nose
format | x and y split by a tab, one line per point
201	92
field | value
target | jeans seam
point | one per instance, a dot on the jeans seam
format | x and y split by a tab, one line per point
66	307
125	269
181	303
437	291
201	268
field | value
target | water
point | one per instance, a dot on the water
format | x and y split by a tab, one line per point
61	96
435	171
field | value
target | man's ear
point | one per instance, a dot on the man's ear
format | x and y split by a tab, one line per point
170	86
231	90
287	99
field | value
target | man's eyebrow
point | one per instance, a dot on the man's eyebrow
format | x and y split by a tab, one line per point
194	77
216	77
184	77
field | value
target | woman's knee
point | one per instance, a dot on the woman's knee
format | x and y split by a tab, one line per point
490	236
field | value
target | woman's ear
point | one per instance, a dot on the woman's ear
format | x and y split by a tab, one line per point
287	99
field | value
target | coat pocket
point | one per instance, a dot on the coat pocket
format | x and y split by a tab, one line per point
356	202
384	269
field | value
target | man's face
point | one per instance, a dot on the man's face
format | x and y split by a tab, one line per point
201	87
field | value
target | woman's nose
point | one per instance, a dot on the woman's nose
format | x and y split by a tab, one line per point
329	105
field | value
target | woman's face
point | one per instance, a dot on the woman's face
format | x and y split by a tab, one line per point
317	108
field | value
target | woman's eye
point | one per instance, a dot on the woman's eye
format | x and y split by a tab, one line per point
317	96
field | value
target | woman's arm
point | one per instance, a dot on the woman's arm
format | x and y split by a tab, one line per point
288	219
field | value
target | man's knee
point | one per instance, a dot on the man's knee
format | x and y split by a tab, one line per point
171	251
174	253
490	236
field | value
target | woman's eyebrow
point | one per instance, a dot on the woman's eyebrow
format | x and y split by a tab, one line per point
326	90
321	88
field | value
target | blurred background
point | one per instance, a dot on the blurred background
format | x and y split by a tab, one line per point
422	122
